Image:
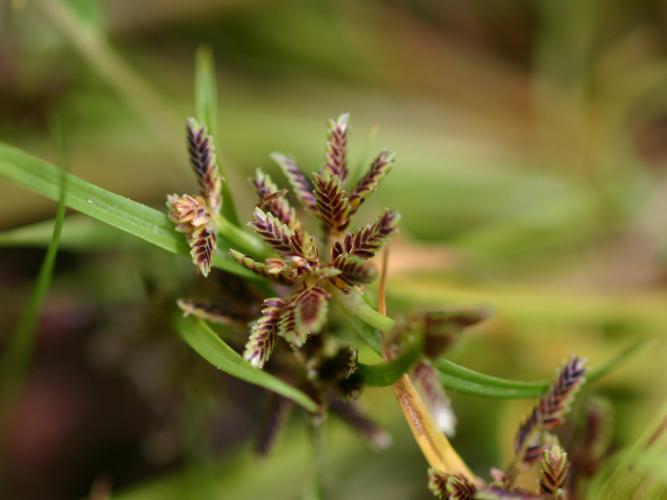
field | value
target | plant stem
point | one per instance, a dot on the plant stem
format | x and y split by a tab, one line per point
241	240
354	303
437	449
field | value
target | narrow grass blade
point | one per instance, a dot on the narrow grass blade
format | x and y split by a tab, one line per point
206	107
387	373
15	359
79	233
453	370
199	336
467	381
130	216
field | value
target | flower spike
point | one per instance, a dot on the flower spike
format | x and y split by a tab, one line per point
202	158
302	187
333	207
377	171
335	162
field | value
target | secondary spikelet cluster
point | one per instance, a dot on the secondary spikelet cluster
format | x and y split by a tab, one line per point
196	215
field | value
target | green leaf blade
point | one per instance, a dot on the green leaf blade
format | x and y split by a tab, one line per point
206	110
118	211
16	356
204	341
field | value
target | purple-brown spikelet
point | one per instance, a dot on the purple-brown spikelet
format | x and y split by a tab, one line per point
275	417
202	246
287	327
377	171
450	486
335	162
551	409
302	187
276	234
202	159
354	270
554	472
272	199
304	245
310	309
352	415
187	212
368	240
263	333
333	207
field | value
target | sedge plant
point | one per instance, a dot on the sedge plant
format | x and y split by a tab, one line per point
310	266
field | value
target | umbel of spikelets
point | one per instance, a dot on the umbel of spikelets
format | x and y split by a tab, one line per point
302	263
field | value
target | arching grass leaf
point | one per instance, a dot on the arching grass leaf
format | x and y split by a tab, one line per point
16	355
199	336
130	216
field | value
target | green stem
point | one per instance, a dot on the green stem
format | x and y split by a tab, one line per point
241	240
354	304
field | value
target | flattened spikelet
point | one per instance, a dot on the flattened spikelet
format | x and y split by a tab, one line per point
450	486
335	162
202	159
354	270
275	233
377	171
551	409
187	212
310	310
333	207
202	247
287	327
302	187
304	245
554	472
263	333
273	199
368	240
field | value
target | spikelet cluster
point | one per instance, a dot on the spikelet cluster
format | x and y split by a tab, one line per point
196	215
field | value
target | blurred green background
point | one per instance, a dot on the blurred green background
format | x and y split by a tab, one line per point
531	174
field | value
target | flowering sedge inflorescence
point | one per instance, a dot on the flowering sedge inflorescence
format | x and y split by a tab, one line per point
196	215
533	443
300	262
